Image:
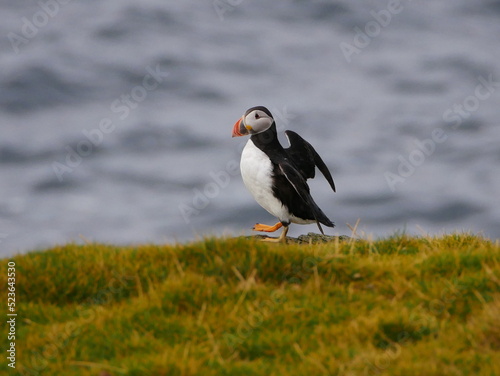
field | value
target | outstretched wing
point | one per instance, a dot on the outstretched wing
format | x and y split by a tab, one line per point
305	158
298	182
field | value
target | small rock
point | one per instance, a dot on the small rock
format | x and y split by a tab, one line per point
310	238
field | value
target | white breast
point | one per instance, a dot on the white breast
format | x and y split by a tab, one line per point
256	171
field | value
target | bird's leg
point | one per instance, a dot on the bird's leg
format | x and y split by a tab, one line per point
280	239
266	228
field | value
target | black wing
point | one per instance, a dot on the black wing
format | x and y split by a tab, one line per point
298	182
305	158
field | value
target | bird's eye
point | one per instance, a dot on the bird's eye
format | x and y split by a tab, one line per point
257	116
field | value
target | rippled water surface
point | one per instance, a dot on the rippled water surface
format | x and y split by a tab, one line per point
116	116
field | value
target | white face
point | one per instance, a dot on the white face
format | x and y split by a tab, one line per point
258	120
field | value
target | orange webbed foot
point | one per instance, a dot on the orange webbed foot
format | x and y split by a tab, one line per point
266	228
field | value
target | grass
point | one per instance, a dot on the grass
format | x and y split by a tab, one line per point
396	306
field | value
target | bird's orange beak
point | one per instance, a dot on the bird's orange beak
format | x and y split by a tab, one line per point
239	128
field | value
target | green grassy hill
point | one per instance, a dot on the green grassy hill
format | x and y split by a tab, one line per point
396	306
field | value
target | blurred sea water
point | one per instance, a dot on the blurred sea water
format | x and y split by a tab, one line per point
116	116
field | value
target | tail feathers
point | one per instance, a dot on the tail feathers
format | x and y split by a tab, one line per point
329	224
326	221
320	217
320	228
300	186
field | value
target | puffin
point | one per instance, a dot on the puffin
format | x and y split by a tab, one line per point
276	176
